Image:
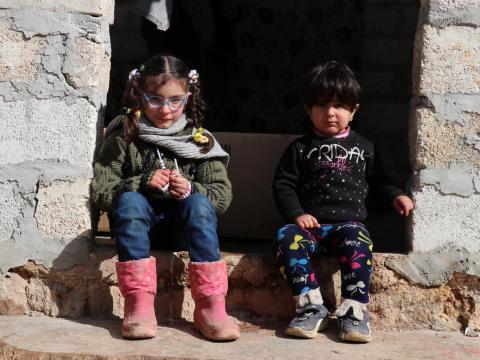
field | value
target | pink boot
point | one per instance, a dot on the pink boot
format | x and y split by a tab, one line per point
137	280
209	285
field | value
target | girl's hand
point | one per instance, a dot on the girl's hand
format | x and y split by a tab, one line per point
307	221
159	179
403	204
178	184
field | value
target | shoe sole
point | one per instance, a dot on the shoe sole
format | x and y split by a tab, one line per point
299	332
355	337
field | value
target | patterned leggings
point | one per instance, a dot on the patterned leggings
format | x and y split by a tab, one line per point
350	241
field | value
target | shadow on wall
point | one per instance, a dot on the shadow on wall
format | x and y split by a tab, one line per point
258	291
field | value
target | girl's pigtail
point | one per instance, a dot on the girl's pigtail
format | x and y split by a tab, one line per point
196	112
133	100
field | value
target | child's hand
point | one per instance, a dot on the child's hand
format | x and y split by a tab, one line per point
159	179
403	204
307	221
178	184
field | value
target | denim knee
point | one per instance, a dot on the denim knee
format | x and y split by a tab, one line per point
130	224
201	225
131	204
199	208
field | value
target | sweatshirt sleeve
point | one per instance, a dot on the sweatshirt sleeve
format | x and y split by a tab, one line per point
212	180
109	180
380	184
285	182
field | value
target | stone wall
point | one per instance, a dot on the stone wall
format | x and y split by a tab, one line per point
54	72
406	291
54	69
445	127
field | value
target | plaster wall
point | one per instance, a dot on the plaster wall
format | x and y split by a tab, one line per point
445	130
54	73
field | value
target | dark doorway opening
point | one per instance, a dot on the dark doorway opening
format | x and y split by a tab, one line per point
251	55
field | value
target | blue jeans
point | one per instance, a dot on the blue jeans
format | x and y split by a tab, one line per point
172	225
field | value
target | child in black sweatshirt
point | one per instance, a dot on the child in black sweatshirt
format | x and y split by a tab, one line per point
320	187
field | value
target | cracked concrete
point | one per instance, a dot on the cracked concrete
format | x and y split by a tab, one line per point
457	179
59	47
47	213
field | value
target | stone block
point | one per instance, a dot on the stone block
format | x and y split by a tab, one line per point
447	222
48	129
91	7
11	211
449	60
459	12
42	298
63	210
457	179
438	144
81	71
419	290
20	58
13	299
54	55
47	218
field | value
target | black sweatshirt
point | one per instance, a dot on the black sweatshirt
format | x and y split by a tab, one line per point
329	178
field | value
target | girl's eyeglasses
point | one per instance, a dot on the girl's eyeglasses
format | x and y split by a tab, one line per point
173	103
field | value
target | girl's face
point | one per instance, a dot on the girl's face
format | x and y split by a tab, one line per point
331	118
164	101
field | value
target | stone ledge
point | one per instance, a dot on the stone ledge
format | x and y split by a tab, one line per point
255	287
45	338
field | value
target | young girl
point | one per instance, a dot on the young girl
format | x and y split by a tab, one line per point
162	179
320	187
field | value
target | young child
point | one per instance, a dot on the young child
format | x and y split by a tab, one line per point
162	180
320	187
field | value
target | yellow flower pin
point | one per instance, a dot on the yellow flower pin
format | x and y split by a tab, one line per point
199	137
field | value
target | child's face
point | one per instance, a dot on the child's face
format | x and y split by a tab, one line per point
331	118
165	101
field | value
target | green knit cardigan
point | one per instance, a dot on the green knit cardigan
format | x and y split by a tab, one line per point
119	168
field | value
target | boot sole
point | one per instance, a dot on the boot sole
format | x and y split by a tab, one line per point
307	334
215	336
138	332
355	337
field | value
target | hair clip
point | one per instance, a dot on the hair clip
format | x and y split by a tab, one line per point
199	137
135	111
133	73
193	76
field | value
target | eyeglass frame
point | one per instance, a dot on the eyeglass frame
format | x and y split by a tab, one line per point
166	101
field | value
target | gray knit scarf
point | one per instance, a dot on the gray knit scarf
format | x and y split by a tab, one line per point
182	146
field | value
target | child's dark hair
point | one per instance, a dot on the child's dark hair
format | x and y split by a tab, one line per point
167	67
331	80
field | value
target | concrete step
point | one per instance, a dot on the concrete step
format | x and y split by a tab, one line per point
405	293
40	337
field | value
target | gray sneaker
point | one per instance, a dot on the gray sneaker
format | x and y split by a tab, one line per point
355	330
307	324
